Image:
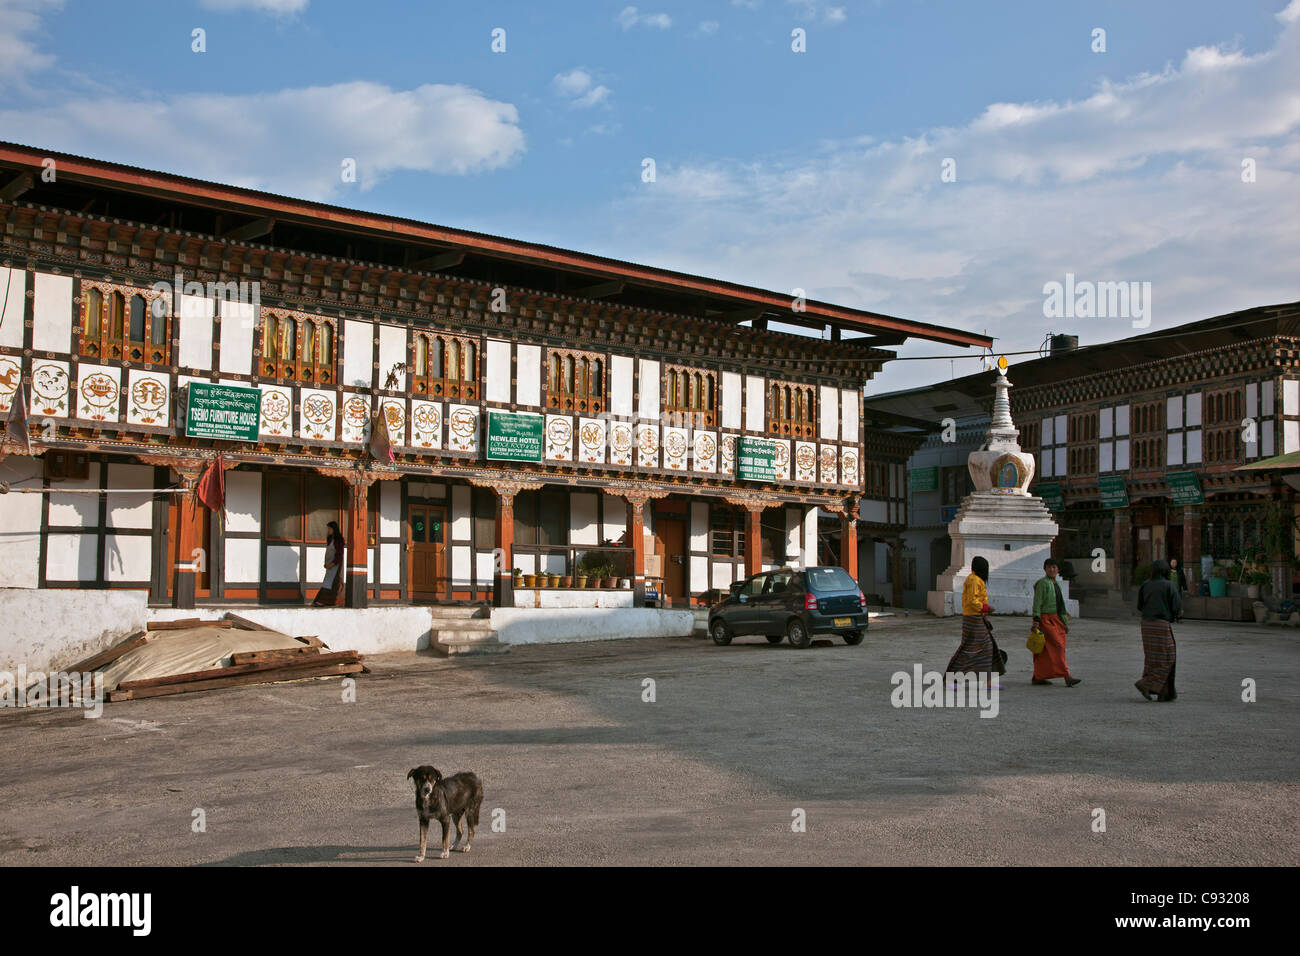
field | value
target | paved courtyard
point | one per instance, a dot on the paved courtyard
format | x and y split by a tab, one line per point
581	770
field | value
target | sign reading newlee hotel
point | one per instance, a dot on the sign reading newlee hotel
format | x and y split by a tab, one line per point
227	412
514	436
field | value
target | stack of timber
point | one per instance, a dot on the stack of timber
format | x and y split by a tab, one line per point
178	657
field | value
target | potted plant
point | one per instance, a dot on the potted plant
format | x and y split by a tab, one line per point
580	579
530	580
566	580
552	580
608	580
1254	581
516	577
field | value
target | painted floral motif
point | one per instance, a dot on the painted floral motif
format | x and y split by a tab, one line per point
647	440
395	419
830	464
706	449
462	422
426	424
675	446
11	374
148	395
318	415
356	417
805	461
50	389
727	454
849	467
559	438
620	445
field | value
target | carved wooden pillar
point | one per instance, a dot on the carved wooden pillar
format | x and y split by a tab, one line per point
753	539
503	591
190	560
1123	548
849	539
1191	556
358	538
636	535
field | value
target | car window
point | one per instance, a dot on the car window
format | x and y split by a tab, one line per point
754	586
830	579
778	583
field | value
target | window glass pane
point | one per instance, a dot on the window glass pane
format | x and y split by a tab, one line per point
283	506
137	318
485	514
157	323
325	334
526	517
116	309
322	506
754	586
553	517
831	579
94	309
418	530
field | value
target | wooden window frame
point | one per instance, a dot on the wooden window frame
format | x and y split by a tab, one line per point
570	375
318	368
792	409
690	396
464	386
103	345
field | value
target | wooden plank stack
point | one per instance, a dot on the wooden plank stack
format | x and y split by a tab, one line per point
311	660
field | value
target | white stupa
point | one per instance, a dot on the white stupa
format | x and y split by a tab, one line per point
1000	521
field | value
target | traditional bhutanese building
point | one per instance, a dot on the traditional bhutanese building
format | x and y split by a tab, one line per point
1143	447
547	411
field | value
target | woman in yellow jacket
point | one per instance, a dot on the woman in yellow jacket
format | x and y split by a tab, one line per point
978	651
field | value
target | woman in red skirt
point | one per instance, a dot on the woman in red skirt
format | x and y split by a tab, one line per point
1052	619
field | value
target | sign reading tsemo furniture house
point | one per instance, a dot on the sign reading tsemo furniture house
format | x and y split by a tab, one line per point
227	412
923	479
514	436
756	459
1184	488
1114	493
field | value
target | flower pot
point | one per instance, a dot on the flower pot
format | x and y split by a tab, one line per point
552	580
625	582
580	581
530	580
1261	612
566	581
608	582
1218	587
1252	591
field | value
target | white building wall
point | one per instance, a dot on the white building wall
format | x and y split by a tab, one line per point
528	371
20	524
358	353
238	320
648	407
496	387
392	355
620	386
13	295
195	324
52	313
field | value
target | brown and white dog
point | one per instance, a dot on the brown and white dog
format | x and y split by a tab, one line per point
446	799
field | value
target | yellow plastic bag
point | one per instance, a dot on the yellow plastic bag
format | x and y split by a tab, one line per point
1036	641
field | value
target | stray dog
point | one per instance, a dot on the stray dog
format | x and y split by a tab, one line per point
446	799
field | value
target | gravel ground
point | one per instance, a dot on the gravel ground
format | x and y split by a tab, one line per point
581	770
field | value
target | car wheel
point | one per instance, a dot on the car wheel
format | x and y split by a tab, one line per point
853	637
798	634
720	633
775	638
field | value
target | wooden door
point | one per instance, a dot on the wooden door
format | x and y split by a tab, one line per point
670	545
427	550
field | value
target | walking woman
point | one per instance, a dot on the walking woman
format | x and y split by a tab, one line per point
1160	605
978	651
1053	620
328	595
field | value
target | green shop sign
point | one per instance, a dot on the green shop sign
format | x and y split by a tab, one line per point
514	436
923	479
1184	488
227	412
1114	493
756	459
1050	492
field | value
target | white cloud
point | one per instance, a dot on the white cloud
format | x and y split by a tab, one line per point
19	19
580	88
1138	181
279	8
707	28
812	9
292	141
628	18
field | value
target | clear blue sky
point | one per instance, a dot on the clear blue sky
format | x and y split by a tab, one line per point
818	170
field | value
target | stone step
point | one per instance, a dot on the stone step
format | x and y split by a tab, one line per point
459	641
459	612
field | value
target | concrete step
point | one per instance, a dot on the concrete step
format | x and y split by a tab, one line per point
459	612
467	638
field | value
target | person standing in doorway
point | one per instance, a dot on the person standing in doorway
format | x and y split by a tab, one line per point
1051	617
328	595
1160	605
1177	575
